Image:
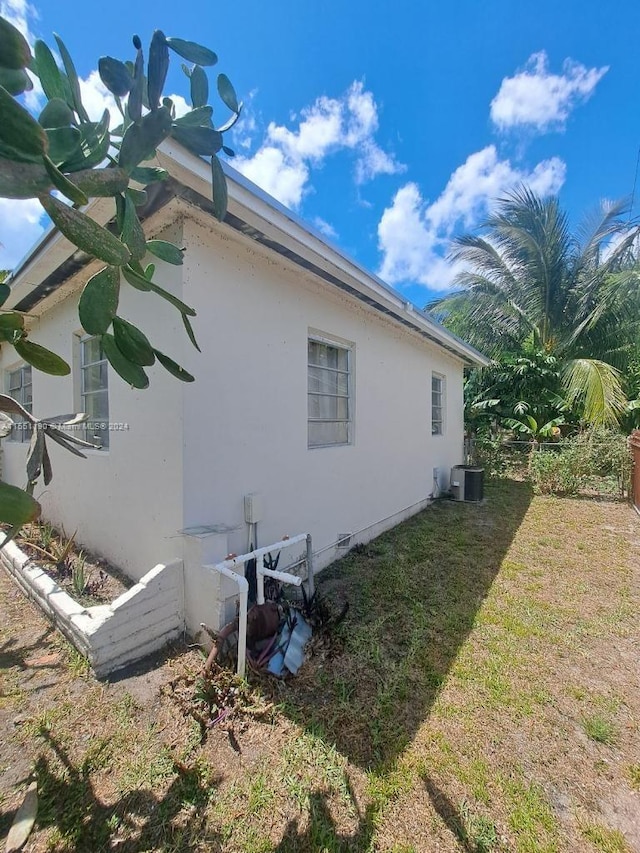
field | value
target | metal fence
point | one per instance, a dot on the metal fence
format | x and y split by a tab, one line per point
577	465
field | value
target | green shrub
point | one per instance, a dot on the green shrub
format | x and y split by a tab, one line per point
555	472
586	460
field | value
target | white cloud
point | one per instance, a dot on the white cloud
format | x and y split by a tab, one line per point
20	226
537	98
282	164
182	107
97	98
18	12
270	169
414	235
325	228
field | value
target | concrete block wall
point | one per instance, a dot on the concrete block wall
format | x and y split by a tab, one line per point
111	636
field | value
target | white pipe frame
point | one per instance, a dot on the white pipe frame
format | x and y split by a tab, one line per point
243	591
233	568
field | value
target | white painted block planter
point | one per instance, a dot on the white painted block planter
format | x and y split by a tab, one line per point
111	636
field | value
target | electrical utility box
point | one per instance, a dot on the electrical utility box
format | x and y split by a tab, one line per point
467	483
253	508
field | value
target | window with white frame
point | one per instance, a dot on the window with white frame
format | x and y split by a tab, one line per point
437	404
94	391
329	394
19	387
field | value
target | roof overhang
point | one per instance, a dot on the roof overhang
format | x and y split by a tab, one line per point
252	212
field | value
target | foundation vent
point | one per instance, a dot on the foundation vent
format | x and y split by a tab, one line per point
343	540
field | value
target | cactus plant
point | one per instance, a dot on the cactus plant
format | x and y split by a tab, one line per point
64	151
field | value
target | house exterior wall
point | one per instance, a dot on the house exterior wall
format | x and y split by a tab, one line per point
245	419
124	502
193	451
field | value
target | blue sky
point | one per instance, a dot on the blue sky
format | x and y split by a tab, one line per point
392	126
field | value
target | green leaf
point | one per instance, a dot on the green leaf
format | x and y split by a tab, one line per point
15	81
134	103
227	93
61	182
199	87
8	404
14	49
48	72
200	140
166	251
99	301
35	455
189	329
149	271
195	118
182	307
19	130
64	143
148	174
10	323
173	368
132	374
228	151
192	52
135	279
143	137
72	76
56	113
94	145
102	182
132	343
16	506
41	358
132	233
12	154
5	293
86	234
115	76
230	123
219	189
138	197
157	68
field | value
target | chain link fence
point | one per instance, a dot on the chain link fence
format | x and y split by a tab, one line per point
595	463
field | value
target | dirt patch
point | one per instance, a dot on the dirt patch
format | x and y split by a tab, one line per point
87	577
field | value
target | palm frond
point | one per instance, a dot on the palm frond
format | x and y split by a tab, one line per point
598	387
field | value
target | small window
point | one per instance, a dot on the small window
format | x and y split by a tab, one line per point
437	404
20	390
94	391
329	394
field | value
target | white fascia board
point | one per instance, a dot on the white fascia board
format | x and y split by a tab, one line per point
257	208
50	251
262	211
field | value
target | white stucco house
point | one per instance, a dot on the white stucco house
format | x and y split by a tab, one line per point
318	388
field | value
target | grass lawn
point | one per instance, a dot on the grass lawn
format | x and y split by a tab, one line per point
481	695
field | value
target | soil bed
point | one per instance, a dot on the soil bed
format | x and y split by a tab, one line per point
88	578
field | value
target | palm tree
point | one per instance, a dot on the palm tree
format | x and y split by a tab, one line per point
529	284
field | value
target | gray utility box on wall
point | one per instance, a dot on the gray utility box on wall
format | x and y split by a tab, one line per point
467	483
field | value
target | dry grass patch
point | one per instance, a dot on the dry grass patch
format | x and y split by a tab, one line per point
482	695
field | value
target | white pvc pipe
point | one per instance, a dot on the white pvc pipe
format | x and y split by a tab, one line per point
227	567
260	552
243	589
283	577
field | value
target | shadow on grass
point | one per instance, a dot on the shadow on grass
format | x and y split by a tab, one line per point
15	653
142	819
451	817
321	832
414	594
